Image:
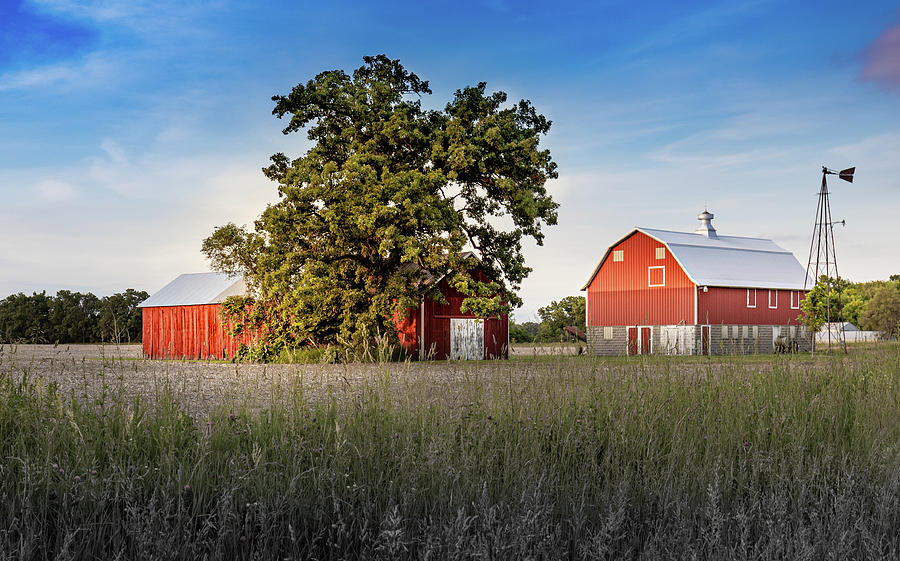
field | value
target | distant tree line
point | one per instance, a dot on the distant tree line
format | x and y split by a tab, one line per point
554	317
71	317
871	305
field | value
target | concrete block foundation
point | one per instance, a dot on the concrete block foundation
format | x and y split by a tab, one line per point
698	339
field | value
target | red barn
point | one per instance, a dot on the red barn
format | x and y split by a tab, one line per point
433	330
658	291
182	319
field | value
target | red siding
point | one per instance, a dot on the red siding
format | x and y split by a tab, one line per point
729	306
408	329
620	293
193	332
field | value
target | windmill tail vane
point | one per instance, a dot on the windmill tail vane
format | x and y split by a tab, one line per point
845	174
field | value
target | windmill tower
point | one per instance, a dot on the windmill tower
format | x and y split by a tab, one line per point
822	258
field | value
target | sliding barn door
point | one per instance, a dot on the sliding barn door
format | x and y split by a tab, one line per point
466	339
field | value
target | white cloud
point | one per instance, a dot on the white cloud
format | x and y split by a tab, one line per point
87	72
53	191
100	10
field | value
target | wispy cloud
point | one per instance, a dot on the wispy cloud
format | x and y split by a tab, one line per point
696	24
89	71
141	17
99	10
882	59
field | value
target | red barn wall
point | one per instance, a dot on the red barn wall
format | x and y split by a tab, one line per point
729	306
193	332
620	293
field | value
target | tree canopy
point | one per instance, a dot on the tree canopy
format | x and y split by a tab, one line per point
882	313
388	194
559	315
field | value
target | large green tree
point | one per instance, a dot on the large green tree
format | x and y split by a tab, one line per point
389	194
882	312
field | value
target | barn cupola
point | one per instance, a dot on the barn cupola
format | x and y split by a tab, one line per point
706	228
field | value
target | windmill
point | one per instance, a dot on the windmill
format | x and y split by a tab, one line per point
822	258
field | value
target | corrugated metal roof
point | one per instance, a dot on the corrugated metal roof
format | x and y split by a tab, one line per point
729	261
196	288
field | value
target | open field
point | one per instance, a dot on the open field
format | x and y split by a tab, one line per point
104	455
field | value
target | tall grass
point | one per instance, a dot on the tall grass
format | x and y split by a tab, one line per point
775	458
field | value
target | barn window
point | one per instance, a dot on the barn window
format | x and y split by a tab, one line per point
660	253
656	276
755	331
795	300
618	255
734	331
746	333
773	299
607	332
751	297
793	331
724	332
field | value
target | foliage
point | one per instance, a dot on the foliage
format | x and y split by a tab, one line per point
757	458
523	332
558	315
822	303
120	318
853	300
387	198
25	319
71	317
882	313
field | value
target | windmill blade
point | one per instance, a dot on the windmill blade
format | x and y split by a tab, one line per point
847	174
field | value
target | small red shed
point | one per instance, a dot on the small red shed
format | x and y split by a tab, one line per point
182	319
688	293
433	330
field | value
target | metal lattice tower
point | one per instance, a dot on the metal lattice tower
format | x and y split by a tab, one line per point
822	258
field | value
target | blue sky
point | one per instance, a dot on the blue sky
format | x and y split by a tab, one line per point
129	130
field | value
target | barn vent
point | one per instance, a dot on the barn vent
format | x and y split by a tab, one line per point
706	228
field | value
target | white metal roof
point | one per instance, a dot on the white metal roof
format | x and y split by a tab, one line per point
196	288
729	261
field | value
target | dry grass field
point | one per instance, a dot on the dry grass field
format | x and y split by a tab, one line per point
106	455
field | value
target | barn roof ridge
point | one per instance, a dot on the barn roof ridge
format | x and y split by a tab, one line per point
700	235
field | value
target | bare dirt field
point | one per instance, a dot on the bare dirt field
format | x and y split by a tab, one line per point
87	371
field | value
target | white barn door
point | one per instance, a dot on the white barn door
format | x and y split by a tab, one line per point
466	339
